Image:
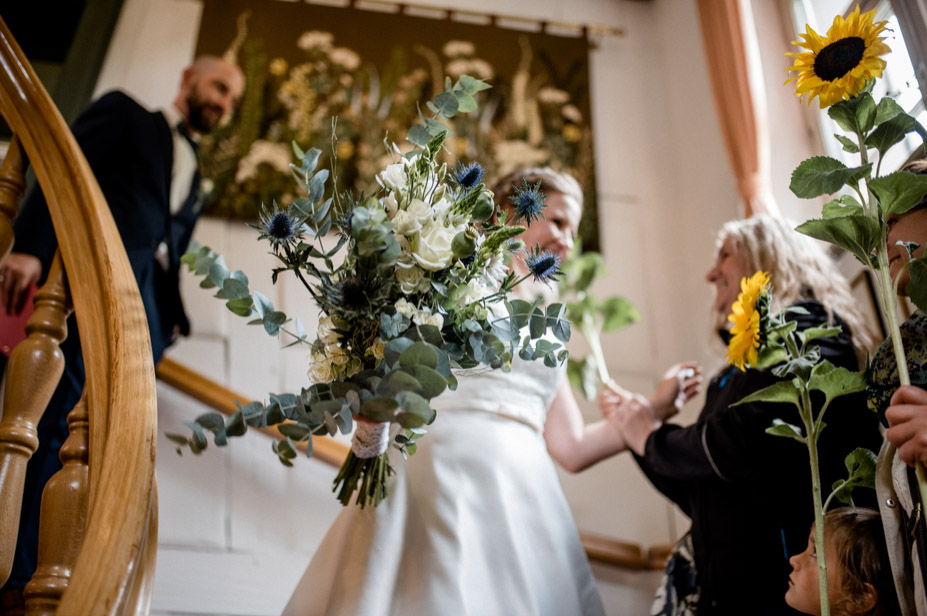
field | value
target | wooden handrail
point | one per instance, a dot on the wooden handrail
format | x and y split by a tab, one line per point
120	386
199	387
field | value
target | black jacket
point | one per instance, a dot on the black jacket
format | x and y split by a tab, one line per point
749	493
131	153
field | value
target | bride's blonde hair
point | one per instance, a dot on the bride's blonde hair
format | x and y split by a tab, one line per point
799	268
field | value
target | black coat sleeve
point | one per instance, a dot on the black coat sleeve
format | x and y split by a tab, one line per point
99	132
729	443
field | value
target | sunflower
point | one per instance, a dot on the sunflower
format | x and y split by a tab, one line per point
747	318
837	66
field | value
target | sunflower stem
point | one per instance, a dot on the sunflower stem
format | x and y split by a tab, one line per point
812	442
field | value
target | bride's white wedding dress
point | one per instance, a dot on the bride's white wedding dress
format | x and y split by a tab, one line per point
475	523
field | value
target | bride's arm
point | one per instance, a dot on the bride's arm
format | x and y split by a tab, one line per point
571	442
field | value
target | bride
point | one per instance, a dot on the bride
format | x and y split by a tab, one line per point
476	522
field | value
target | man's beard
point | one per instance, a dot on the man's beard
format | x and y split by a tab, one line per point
198	119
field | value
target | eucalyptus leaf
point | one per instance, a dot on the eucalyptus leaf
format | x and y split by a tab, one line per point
414	410
432	383
398	381
379	409
419	354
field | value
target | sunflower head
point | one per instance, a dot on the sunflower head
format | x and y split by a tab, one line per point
837	66
748	315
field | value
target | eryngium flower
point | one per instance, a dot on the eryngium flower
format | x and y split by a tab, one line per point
528	201
544	265
279	227
747	317
469	176
837	66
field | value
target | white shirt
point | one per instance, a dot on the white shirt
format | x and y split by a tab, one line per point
184	161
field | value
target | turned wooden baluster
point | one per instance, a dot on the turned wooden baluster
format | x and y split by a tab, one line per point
63	517
33	372
12	187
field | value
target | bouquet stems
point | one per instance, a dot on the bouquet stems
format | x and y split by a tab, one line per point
371	475
591	333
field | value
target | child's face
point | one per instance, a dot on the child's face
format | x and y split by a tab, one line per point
908	227
804	592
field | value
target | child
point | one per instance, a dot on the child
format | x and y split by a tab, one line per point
859	579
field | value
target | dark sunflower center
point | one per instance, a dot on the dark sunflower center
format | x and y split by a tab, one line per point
839	58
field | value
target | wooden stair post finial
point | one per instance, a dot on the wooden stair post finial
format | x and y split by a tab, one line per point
33	372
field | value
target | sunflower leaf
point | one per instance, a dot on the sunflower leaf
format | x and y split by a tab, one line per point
893	131
848	144
835	382
899	192
917	288
781	428
861	466
783	391
845	205
887	110
865	112
823	175
858	234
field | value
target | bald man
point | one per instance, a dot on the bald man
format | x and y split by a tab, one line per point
146	165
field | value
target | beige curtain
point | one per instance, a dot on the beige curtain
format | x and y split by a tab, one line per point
736	79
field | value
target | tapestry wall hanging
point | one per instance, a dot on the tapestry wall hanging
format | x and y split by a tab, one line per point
306	64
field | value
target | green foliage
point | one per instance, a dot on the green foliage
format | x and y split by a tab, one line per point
823	175
594	317
861	469
858	234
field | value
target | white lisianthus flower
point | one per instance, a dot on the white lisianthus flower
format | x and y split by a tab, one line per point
405	308
426	317
409	278
326	331
320	370
433	251
391	204
394	176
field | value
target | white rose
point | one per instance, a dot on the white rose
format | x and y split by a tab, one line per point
409	278
420	210
337	355
473	292
405	308
424	317
394	176
320	370
433	251
377	349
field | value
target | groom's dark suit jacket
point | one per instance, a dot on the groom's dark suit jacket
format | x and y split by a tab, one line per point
131	152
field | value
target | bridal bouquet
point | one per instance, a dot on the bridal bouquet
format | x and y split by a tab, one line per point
412	293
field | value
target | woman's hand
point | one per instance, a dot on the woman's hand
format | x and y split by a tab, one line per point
680	383
907	417
631	414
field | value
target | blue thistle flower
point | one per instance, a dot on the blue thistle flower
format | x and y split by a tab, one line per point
529	202
469	176
544	265
279	227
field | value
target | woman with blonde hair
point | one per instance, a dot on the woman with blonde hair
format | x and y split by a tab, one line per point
747	492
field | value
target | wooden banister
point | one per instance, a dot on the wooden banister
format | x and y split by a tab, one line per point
199	387
120	388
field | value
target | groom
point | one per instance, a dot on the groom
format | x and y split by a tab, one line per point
146	165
